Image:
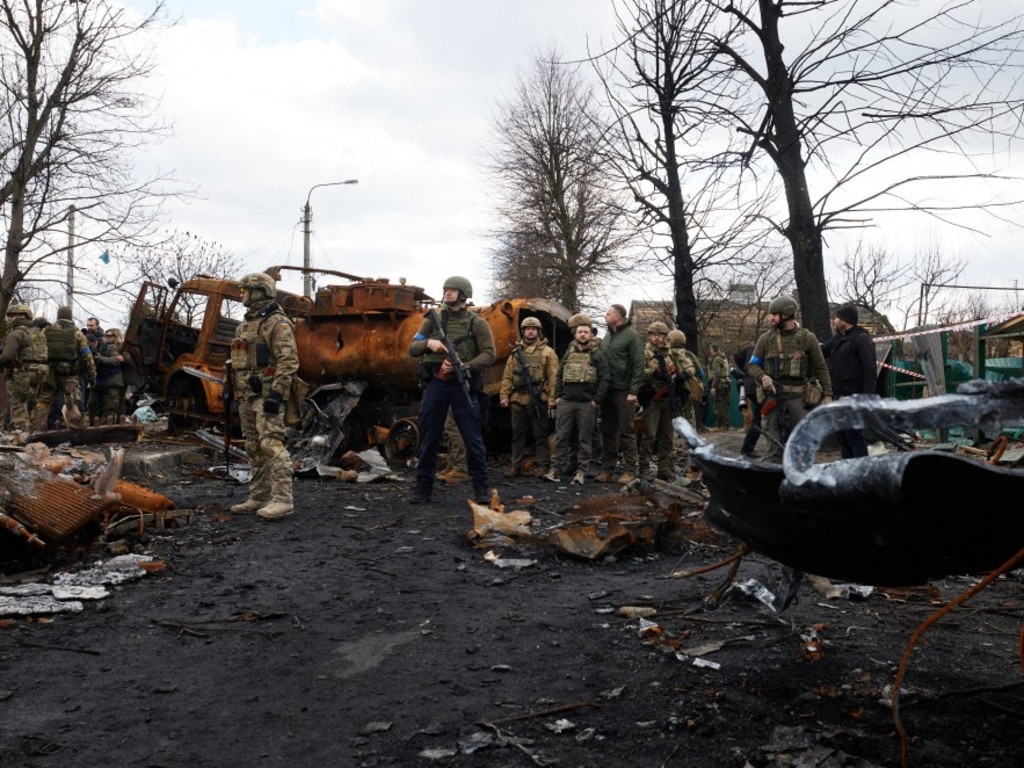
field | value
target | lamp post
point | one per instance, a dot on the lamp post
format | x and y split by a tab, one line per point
307	218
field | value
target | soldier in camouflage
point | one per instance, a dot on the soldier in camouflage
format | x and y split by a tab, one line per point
542	367
264	362
718	369
474	343
67	351
23	361
666	371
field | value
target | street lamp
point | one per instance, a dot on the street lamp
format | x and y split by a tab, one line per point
307	218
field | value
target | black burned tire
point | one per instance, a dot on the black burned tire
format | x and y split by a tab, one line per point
402	441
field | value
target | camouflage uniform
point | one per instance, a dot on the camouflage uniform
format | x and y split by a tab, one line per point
718	368
658	413
24	362
264	362
542	365
581	385
67	348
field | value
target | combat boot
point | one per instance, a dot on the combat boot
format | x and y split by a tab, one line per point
626	478
247	506
455	476
551	475
275	510
480	495
577	479
604	476
420	494
513	471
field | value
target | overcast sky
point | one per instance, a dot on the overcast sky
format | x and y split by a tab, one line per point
269	98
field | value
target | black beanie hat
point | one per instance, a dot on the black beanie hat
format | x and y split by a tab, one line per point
847	312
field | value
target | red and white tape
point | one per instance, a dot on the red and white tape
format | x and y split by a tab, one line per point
949	328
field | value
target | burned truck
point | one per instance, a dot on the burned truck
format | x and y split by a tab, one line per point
353	340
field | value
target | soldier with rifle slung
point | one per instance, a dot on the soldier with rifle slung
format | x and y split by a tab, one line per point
455	349
528	388
665	370
785	359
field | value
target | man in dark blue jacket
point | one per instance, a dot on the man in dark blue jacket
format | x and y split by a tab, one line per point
851	364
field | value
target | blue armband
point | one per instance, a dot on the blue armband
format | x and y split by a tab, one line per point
419	337
755	361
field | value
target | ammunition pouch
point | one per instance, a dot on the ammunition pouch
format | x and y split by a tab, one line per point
813	393
293	405
64	368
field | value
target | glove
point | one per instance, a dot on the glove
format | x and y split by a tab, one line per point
768	384
255	384
272	403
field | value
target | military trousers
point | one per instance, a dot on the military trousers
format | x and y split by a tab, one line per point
68	385
778	423
440	395
270	463
574	429
525	425
657	437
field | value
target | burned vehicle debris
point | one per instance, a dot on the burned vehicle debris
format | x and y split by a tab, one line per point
890	520
353	342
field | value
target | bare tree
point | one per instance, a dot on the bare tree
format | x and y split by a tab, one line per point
654	81
932	271
866	107
179	257
71	118
561	227
870	277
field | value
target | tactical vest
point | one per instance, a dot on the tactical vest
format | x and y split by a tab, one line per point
459	328
534	365
249	350
61	348
579	368
35	352
794	363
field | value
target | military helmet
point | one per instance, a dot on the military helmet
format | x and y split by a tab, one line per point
783	305
64	312
579	319
657	327
676	338
459	284
531	322
259	280
19	309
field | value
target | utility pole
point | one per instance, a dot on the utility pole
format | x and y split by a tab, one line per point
307	219
71	256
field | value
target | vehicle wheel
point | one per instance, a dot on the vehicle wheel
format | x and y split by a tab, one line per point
402	441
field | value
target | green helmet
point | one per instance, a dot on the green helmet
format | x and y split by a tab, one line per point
676	338
783	305
657	327
580	319
531	322
257	281
20	309
459	284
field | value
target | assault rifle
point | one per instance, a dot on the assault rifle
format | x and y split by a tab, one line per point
459	368
666	378
539	411
777	404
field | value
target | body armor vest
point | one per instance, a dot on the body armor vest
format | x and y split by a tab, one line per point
794	364
35	352
61	344
534	365
579	368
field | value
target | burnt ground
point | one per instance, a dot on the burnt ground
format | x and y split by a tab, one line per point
364	631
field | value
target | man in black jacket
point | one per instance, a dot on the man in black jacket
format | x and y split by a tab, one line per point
851	364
